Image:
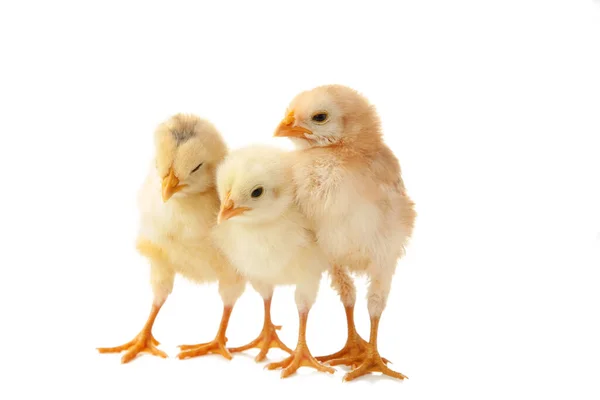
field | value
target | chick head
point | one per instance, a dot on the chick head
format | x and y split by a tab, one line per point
255	185
188	150
329	115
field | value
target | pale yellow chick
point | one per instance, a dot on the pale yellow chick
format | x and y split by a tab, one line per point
349	185
178	205
267	238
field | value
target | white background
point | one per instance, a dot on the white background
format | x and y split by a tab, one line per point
493	108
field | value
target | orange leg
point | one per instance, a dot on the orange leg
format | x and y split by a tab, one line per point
217	346
267	339
143	342
301	356
355	349
372	361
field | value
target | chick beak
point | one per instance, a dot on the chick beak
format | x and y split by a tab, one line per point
170	185
229	210
287	128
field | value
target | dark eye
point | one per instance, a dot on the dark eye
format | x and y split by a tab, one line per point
256	193
320	117
197	168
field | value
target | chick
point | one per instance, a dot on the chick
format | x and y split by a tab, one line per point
349	185
178	205
267	238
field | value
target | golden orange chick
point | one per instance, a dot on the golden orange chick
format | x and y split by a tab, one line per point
349	185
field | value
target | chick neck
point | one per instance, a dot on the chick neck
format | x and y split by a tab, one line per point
365	143
362	135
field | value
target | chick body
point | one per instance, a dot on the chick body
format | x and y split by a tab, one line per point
361	223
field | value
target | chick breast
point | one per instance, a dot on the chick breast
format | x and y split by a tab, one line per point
282	252
181	230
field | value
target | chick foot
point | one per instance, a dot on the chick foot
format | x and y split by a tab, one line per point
372	363
267	339
144	342
217	346
352	354
354	351
300	357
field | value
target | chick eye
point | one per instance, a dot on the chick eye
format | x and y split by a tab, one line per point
320	117
197	168
256	193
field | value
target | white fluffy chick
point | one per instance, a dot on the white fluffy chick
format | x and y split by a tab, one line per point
178	205
266	237
349	185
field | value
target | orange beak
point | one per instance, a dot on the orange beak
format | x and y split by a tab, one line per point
170	185
229	210
286	128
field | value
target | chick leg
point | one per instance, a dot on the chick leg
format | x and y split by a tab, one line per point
267	339
355	349
217	346
306	294
372	362
301	356
143	342
162	277
231	288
